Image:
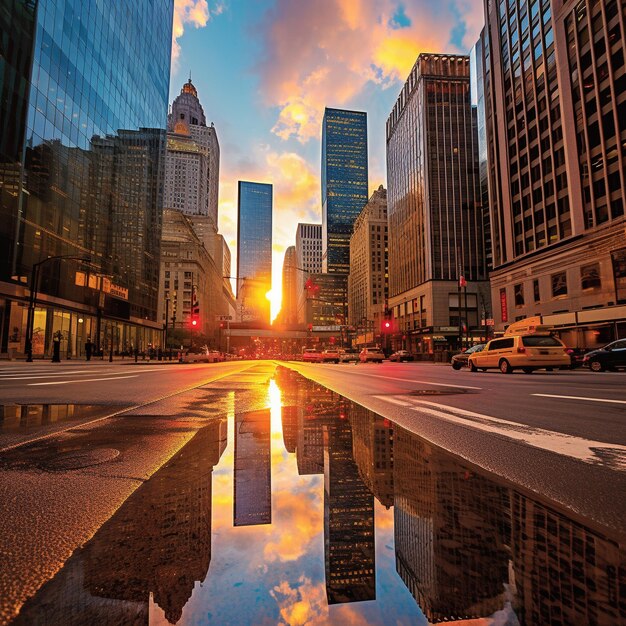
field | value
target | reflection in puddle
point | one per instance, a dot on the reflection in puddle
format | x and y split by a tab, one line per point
319	511
20	417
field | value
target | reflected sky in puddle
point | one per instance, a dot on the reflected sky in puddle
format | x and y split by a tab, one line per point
314	510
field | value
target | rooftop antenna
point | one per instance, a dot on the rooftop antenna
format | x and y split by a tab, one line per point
189	75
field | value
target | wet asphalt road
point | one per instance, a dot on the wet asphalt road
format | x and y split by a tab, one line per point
570	449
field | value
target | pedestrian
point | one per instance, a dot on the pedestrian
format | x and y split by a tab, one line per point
88	348
56	347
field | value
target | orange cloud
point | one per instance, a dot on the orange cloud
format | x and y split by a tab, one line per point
323	53
189	12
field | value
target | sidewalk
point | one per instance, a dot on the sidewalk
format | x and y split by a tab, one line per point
118	360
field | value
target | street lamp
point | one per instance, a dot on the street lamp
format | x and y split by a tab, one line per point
34	286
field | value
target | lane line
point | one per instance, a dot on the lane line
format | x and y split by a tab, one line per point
394	400
420	382
586	450
550	395
78	372
82	380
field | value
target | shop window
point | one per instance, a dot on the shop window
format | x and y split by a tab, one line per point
559	284
590	276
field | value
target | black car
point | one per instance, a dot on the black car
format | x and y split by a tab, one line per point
612	356
460	360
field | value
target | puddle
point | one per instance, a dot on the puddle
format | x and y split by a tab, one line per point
25	417
314	510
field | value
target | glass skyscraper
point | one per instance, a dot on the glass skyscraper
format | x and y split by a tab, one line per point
83	107
254	250
344	184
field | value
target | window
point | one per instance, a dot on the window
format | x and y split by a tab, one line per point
536	292
518	290
590	276
559	284
535	341
499	344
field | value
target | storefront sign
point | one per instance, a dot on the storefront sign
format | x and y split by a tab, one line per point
504	311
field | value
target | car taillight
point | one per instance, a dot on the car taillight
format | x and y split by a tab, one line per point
568	351
521	349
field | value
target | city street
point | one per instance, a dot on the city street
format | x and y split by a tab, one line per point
87	449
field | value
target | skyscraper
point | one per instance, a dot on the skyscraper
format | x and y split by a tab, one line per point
289	305
308	260
344	184
192	165
555	79
436	225
81	169
254	250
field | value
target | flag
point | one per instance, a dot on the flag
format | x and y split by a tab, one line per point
462	282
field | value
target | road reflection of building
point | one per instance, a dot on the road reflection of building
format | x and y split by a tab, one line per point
451	533
289	419
157	544
252	484
349	551
465	543
372	447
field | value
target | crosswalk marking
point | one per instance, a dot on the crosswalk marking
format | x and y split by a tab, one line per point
587	450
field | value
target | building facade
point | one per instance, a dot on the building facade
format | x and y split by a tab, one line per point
81	171
367	283
192	166
254	251
188	270
289	305
344	184
308	261
436	217
555	108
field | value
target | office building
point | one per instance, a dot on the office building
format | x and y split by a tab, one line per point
289	306
555	79
254	251
81	171
192	164
188	270
308	261
344	184
367	283
434	205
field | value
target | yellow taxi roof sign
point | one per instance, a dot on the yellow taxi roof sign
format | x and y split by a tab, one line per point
528	326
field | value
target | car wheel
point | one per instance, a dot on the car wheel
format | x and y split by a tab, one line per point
596	366
456	366
527	370
505	367
472	367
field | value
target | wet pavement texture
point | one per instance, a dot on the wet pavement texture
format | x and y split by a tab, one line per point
294	505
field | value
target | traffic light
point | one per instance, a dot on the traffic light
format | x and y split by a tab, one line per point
195	313
312	288
387	323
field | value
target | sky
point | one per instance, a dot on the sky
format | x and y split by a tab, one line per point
265	70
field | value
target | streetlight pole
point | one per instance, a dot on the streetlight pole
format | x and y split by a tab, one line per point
34	287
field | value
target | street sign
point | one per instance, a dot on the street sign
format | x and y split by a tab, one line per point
224	318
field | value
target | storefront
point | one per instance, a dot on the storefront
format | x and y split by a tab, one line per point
75	328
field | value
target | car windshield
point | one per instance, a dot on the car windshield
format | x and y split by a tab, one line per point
534	341
476	348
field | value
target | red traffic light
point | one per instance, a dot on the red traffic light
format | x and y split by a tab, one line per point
194	322
387	324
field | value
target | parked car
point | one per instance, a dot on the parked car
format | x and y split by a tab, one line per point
196	356
348	356
374	355
311	355
577	356
330	355
610	357
401	355
460	360
533	349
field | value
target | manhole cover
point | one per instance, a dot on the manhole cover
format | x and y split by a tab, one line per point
78	459
438	392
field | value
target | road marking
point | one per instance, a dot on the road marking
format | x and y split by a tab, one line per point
78	372
586	450
421	382
393	400
82	380
549	395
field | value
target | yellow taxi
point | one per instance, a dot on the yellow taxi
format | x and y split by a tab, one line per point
526	345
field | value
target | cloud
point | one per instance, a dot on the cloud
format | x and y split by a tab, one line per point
323	53
190	12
